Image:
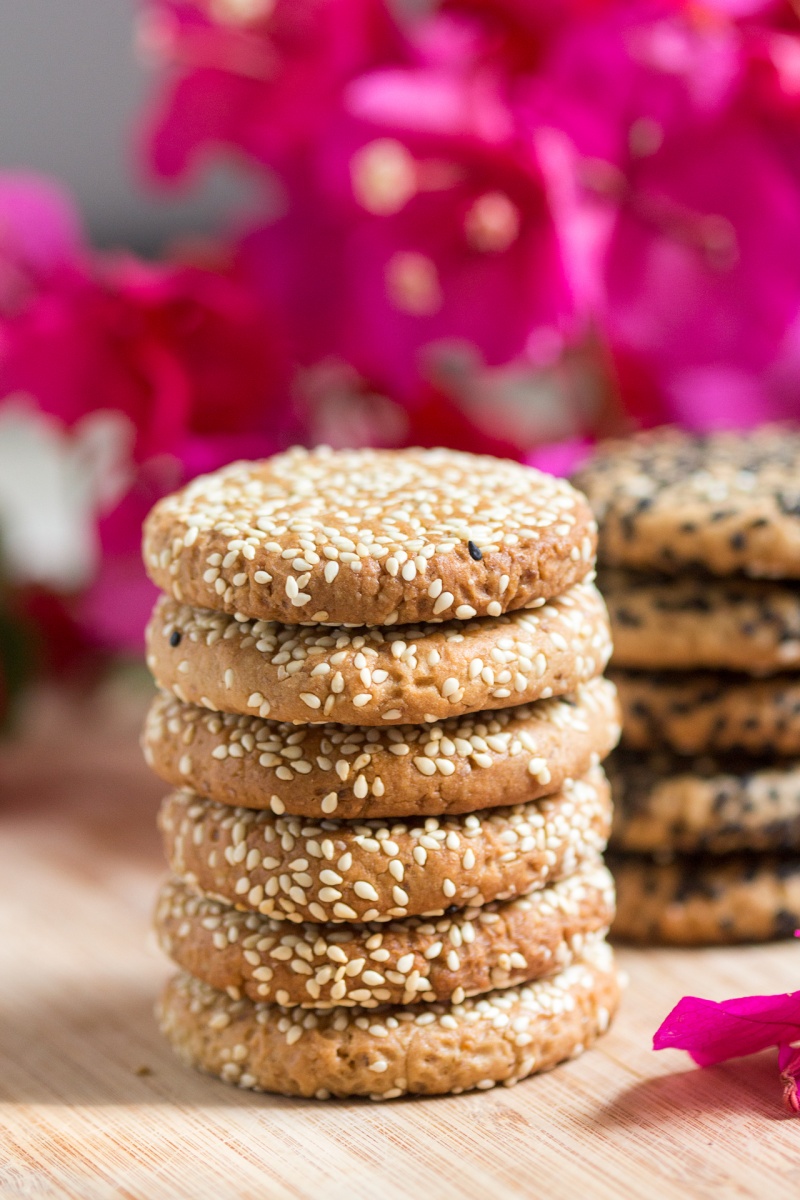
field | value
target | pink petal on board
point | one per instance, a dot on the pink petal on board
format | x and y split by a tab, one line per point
713	1032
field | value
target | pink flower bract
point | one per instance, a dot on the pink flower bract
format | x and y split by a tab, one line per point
685	127
712	1032
266	84
188	354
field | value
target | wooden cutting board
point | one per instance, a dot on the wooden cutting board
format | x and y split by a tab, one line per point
94	1105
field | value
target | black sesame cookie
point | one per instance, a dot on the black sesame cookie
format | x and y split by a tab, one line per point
401	962
726	503
378	676
712	712
697	901
322	871
370	537
460	765
694	621
665	804
500	1037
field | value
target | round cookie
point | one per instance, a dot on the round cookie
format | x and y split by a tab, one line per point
425	1050
463	954
691	622
706	901
460	765
377	676
708	712
324	871
370	537
726	503
664	804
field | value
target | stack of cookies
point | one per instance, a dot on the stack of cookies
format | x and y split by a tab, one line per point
700	554
383	710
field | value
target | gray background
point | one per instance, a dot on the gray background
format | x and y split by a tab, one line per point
70	87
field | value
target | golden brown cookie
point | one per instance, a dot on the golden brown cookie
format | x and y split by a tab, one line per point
370	537
497	1038
710	712
377	676
376	870
699	901
665	804
692	621
671	501
459	765
402	962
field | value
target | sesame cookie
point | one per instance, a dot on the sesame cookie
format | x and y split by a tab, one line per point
726	503
370	537
288	867
664	804
710	712
402	962
706	901
376	676
460	765
692	621
497	1038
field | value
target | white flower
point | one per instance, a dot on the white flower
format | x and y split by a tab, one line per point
54	483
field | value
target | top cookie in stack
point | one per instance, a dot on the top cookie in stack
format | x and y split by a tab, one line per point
370	537
352	645
700	558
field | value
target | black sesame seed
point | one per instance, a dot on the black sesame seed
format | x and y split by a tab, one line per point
175	638
785	923
624	616
474	551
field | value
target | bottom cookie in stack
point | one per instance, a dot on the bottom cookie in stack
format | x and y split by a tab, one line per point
706	851
497	1037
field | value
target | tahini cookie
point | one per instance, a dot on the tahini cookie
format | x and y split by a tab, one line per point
458	765
712	712
378	676
323	871
697	901
665	804
692	621
426	1050
370	537
403	962
727	503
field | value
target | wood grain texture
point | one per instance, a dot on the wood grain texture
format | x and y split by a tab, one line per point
93	1105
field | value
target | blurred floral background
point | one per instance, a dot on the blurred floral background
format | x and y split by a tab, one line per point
509	226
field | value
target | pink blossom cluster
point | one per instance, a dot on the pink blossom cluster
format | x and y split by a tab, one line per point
507	179
118	380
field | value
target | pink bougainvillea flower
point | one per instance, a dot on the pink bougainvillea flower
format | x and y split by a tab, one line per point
683	122
714	1032
159	370
40	232
259	76
186	353
423	219
559	458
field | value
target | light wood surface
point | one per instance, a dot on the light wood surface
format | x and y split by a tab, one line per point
93	1104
